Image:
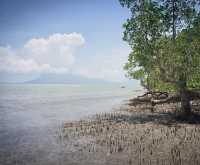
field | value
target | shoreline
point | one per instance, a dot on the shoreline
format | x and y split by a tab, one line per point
134	135
33	117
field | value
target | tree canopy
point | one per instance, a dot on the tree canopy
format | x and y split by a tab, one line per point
165	39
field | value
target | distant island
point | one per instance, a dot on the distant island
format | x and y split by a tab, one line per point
66	79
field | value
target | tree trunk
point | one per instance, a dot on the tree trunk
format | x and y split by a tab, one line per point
185	102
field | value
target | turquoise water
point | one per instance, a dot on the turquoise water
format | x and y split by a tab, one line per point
30	116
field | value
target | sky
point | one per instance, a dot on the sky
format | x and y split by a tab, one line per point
81	37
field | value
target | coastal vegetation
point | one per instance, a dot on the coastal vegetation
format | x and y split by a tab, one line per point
164	36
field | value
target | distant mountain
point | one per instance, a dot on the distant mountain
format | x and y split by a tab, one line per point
66	79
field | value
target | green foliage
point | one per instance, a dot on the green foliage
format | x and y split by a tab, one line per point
165	39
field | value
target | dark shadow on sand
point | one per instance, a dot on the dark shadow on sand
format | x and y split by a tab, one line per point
164	118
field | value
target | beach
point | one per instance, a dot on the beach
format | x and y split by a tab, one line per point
135	135
32	117
97	125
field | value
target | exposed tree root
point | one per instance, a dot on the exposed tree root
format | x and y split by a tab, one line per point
154	98
171	99
155	95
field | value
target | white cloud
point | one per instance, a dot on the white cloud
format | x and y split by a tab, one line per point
53	54
56	54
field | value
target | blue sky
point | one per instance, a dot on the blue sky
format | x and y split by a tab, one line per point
96	25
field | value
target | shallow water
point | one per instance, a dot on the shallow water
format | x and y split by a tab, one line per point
31	117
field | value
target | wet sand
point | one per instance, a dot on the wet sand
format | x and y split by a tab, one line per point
134	135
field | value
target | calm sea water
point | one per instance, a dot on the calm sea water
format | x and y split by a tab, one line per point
30	116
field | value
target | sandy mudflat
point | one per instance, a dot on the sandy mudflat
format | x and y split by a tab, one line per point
134	135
